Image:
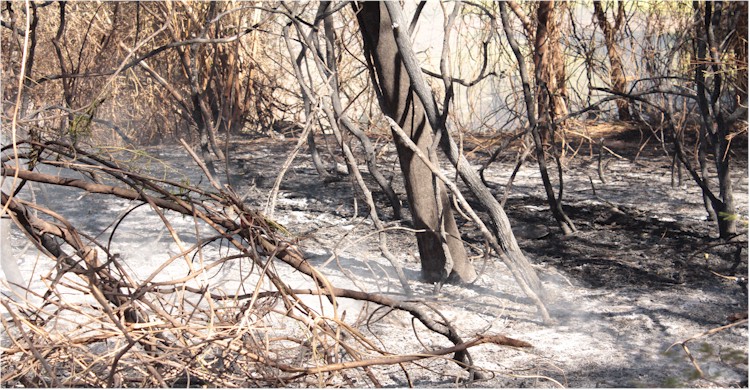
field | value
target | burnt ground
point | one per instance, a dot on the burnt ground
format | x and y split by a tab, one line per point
634	231
644	270
621	239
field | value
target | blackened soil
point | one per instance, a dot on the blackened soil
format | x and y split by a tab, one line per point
621	246
615	245
644	269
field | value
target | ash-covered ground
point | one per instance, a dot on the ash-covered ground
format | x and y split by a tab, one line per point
635	279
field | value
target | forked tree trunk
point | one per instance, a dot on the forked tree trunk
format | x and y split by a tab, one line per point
503	242
555	203
715	128
616	70
331	72
400	103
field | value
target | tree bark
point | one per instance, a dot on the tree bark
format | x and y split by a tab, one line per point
616	69
504	242
399	102
555	203
714	126
331	71
549	65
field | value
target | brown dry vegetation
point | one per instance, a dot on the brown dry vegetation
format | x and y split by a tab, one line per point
197	262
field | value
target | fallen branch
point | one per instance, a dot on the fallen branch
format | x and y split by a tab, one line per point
701	335
396	359
165	332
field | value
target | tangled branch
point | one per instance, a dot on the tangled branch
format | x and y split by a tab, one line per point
97	324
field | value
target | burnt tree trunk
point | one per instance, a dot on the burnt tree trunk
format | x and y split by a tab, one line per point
400	103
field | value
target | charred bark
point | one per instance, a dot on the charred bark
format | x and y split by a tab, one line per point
341	117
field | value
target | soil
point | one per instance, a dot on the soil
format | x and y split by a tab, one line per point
641	274
644	271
